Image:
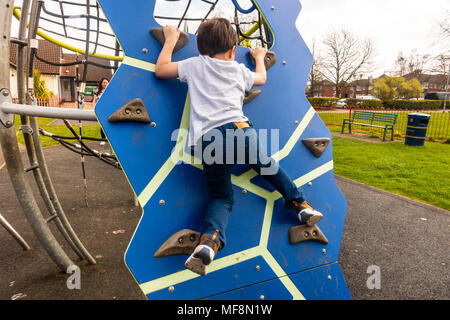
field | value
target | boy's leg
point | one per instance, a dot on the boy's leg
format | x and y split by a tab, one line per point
221	200
273	173
212	238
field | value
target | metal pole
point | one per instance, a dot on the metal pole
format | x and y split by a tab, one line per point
32	145
57	211
13	159
446	88
48	112
14	233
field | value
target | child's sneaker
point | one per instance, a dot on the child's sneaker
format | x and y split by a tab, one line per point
203	254
307	214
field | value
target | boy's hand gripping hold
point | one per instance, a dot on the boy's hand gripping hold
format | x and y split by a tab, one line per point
165	68
260	72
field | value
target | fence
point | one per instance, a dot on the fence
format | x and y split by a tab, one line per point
438	127
57	101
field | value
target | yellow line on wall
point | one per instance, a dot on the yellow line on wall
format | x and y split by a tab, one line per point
295	136
185	275
141	64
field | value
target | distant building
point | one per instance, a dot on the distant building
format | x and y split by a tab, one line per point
49	73
61	80
430	82
322	88
358	88
70	74
354	89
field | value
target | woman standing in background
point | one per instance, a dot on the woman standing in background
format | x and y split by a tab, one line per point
102	84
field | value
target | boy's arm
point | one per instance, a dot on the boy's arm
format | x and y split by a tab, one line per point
260	71
165	68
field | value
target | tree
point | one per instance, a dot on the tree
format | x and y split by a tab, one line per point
440	66
345	56
315	76
40	90
444	24
411	89
415	63
389	88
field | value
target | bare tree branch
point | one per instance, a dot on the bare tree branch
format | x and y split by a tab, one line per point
345	56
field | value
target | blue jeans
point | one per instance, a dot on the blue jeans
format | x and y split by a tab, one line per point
218	173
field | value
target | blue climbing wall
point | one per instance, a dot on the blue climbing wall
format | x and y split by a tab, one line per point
172	190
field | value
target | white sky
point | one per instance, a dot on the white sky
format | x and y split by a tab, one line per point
393	25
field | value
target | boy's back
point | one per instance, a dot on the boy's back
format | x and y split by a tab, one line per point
216	89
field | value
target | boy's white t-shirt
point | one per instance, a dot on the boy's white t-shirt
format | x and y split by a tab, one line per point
216	89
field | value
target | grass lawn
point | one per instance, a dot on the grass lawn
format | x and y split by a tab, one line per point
420	173
92	131
438	127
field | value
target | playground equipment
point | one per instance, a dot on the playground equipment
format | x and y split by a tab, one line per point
30	15
268	255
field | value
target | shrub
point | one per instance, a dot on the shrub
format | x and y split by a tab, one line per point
414	104
323	101
365	103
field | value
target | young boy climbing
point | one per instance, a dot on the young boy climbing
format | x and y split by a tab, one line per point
217	86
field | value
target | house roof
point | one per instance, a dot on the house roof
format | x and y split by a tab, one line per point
53	53
47	51
422	77
94	73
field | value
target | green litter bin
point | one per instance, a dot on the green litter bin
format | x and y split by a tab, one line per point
416	130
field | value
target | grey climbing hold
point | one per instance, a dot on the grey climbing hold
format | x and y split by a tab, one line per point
317	145
158	34
181	242
303	233
269	60
251	95
133	111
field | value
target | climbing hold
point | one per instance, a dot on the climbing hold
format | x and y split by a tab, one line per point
269	60
158	34
317	145
181	242
251	95
302	233
133	111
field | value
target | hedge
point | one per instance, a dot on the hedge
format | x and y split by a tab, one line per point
377	104
323	101
415	104
370	103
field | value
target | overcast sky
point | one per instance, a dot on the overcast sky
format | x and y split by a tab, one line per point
393	25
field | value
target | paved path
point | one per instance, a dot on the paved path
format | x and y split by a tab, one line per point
408	240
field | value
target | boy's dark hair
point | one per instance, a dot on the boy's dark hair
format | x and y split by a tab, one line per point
216	36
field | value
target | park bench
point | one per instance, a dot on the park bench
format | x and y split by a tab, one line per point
384	121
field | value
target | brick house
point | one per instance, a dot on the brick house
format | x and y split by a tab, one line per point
354	89
70	74
322	88
358	88
49	73
430	82
61	80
